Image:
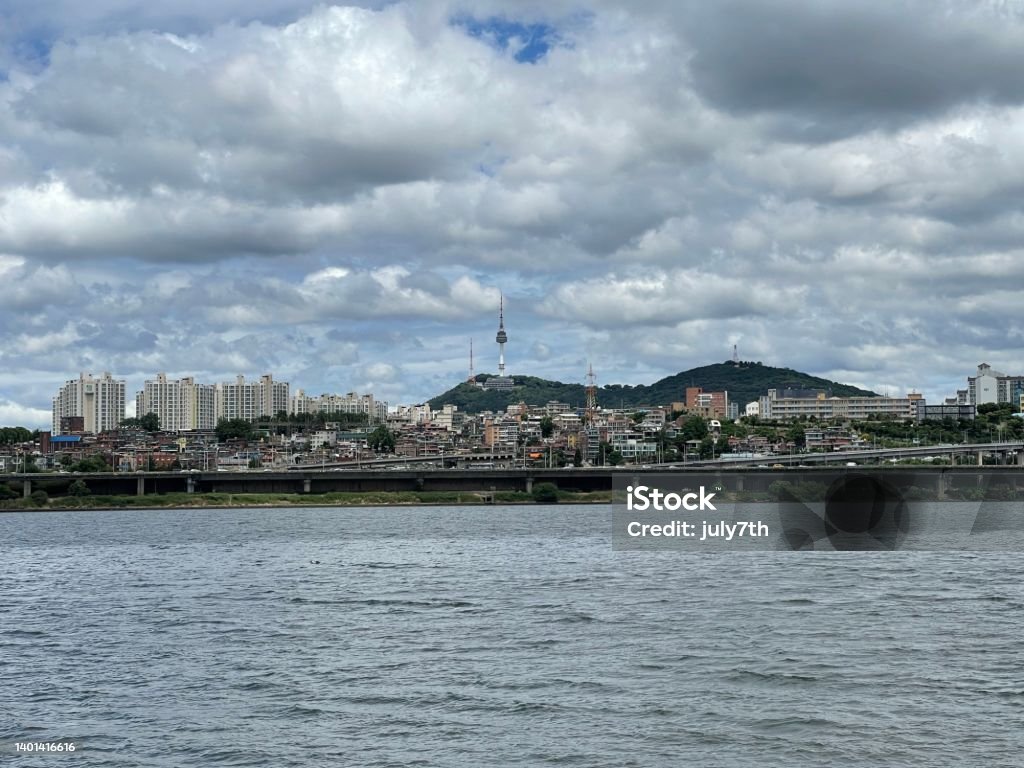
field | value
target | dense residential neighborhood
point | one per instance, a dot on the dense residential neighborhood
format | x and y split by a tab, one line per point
239	425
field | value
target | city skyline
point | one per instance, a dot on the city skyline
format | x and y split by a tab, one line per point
346	195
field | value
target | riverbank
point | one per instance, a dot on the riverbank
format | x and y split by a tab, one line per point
336	499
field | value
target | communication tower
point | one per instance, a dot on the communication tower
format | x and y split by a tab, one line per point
591	393
502	337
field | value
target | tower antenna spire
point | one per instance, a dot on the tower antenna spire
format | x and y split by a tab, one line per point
472	376
502	337
591	393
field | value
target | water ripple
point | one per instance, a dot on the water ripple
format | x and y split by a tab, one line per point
492	636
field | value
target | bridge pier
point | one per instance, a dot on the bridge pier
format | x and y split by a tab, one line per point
1020	458
140	486
307	485
190	484
981	458
26	488
529	485
941	483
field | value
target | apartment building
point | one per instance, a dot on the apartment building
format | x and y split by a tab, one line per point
181	404
800	405
98	402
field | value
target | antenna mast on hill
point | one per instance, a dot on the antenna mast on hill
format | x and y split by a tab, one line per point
472	376
735	355
591	393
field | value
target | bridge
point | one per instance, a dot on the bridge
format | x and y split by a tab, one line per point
1004	452
314	480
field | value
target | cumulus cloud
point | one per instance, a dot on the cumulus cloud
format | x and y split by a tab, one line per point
338	194
22	415
664	298
830	69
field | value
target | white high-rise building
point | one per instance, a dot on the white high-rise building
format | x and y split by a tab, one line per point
273	396
98	402
181	404
376	411
991	386
251	400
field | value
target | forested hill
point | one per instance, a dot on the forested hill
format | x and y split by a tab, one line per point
744	381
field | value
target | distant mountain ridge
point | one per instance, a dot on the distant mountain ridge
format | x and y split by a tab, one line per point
744	381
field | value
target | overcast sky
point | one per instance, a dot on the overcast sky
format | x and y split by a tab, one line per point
337	194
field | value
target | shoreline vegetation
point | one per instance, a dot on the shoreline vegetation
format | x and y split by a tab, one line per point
336	499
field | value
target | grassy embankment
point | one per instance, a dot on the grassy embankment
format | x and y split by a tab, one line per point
339	499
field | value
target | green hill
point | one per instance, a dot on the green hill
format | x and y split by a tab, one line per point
743	381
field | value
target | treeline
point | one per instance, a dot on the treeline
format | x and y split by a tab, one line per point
284	424
744	381
16	435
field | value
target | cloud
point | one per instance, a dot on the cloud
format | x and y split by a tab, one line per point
663	298
831	69
338	194
12	413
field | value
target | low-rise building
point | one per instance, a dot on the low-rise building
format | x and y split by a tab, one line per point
783	408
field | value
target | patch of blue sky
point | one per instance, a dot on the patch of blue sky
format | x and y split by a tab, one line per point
33	51
530	42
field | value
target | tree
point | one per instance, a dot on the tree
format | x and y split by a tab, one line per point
547	426
7	493
545	493
577	458
795	434
381	440
94	463
234	428
707	448
14	435
150	422
78	488
694	428
39	498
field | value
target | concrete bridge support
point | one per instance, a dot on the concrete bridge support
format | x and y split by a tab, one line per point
981	458
190	484
140	486
26	488
307	485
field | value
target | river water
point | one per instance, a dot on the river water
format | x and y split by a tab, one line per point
492	636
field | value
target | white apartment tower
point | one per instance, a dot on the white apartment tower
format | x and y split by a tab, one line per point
181	404
99	402
990	386
376	410
251	400
274	396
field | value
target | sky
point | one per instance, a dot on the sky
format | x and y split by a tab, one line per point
338	194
